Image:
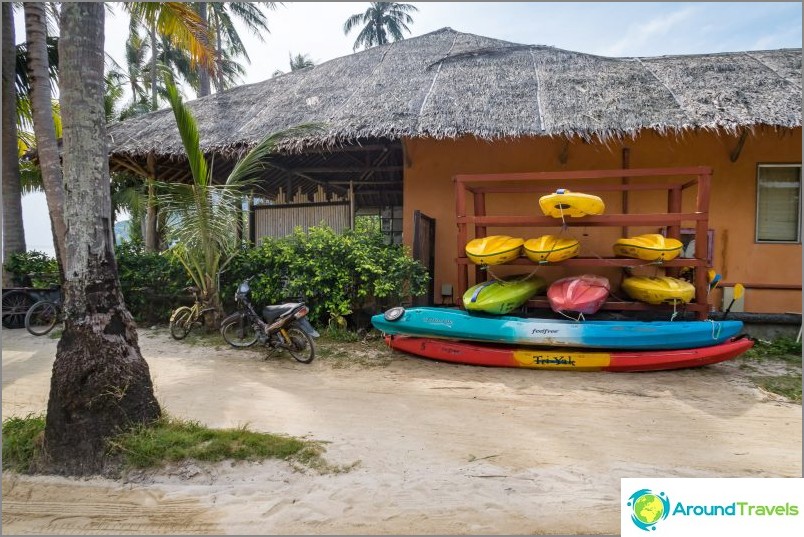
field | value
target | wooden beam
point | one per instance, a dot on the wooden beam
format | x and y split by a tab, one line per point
584	174
349	169
303	176
600	220
735	154
131	165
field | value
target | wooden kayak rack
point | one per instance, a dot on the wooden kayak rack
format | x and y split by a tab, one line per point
674	181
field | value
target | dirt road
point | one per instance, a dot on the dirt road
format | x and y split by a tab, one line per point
439	448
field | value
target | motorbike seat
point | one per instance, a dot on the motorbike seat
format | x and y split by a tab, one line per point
270	313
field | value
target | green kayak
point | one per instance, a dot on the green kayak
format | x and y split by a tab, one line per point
501	296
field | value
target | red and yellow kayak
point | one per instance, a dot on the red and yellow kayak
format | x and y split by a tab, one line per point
462	352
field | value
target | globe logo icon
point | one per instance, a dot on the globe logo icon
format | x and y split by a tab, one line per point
648	508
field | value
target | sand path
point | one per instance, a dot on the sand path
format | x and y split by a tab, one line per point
439	448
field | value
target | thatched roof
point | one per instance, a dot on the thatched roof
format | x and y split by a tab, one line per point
447	84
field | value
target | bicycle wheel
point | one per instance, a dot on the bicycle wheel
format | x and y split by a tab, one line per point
181	321
15	305
42	317
238	331
301	347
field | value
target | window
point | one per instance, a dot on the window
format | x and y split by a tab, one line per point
778	203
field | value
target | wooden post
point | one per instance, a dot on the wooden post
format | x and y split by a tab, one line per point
151	237
702	241
480	231
626	161
351	204
460	212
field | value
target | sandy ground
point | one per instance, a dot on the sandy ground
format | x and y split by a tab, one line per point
439	448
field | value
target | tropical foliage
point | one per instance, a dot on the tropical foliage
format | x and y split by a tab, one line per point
32	268
202	213
337	274
151	283
382	23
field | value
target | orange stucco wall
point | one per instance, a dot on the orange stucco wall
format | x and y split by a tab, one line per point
431	164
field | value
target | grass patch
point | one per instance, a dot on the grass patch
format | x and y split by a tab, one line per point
774	366
788	386
172	440
169	440
23	439
364	353
340	335
784	348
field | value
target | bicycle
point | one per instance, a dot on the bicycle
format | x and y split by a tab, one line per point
184	318
43	316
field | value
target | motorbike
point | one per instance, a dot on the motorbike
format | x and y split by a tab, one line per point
280	327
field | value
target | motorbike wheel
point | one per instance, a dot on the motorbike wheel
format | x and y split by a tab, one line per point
42	317
181	322
239	331
301	347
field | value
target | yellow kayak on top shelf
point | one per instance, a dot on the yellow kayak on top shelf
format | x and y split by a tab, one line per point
650	247
658	290
565	203
552	249
494	250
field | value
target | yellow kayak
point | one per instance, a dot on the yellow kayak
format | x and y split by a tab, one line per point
658	290
565	203
552	249
494	250
650	247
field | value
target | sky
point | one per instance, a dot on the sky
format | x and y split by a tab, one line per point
604	28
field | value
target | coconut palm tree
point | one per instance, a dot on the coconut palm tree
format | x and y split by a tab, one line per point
44	127
203	212
100	383
13	231
300	61
229	46
382	22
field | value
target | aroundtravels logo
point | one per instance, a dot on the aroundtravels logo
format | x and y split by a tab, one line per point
648	508
671	506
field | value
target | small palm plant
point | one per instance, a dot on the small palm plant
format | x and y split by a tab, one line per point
202	214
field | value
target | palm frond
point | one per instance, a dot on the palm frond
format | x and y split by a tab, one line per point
253	17
251	164
188	129
352	22
180	23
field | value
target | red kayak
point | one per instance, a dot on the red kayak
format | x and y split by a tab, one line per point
581	294
569	359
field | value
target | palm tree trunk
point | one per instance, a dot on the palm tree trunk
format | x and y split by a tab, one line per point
219	54
203	74
100	383
44	129
13	231
151	240
152	31
151	215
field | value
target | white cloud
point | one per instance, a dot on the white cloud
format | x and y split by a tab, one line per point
655	30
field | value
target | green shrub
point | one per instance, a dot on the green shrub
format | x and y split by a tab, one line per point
32	269
152	284
336	274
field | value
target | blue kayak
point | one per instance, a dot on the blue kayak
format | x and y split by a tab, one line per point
631	335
